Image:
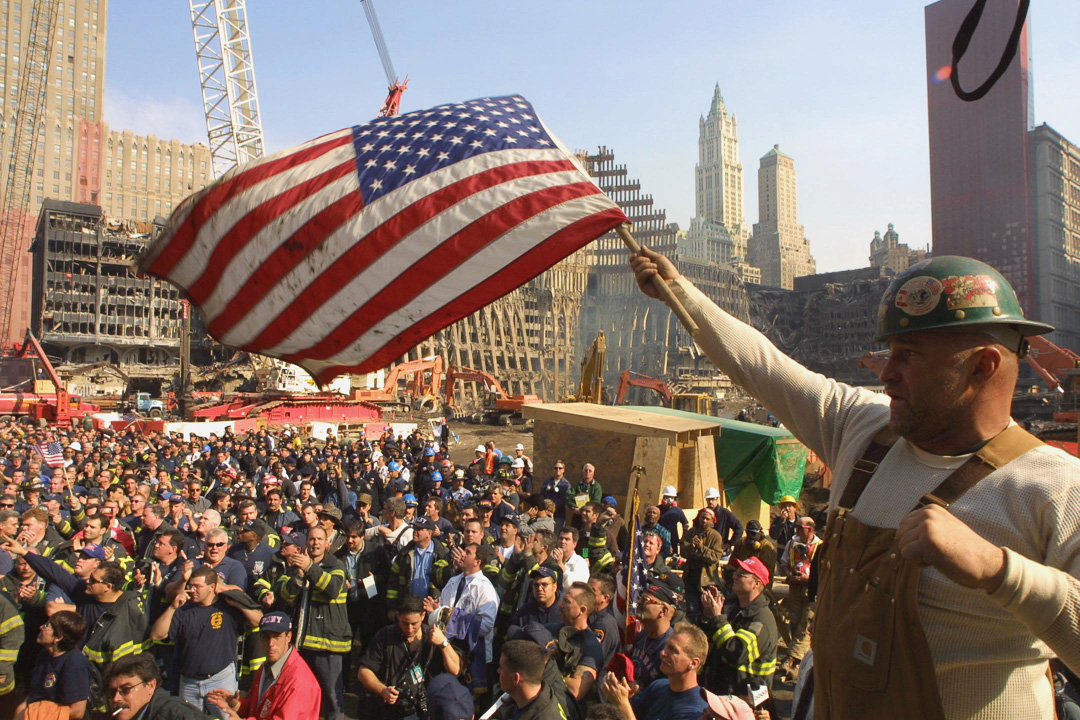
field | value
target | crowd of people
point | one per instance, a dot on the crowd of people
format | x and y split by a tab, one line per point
267	574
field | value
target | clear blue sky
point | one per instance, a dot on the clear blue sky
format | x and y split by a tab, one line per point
839	84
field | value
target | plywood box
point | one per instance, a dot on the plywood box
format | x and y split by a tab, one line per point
629	448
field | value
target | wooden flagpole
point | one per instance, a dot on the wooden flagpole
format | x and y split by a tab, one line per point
666	294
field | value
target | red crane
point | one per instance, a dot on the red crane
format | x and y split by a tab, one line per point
392	104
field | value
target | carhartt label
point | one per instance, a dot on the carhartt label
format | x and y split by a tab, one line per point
865	650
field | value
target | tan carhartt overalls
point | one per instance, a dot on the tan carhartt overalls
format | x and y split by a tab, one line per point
871	657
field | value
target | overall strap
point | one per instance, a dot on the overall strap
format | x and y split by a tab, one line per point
865	467
1006	446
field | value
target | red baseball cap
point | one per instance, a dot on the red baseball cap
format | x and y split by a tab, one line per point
755	567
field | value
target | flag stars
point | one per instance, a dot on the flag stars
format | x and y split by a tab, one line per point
469	128
510	139
534	129
368	148
383	133
442	156
523	133
390	165
483	118
376	185
515	121
423	152
476	144
409	170
401	135
371	163
490	131
437	138
404	149
418	135
542	142
456	140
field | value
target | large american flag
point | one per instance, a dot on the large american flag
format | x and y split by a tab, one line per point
52	453
343	253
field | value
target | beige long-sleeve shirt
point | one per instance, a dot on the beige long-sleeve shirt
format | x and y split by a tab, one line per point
989	650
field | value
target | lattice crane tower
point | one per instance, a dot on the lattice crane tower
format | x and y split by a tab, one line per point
227	76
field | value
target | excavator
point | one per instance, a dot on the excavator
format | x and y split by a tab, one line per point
629	379
423	378
1059	368
498	407
698	403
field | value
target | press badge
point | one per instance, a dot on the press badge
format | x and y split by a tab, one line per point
369	585
417	675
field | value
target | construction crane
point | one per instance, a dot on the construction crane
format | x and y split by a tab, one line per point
227	77
395	88
29	108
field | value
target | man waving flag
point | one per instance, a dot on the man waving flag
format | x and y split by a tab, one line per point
343	253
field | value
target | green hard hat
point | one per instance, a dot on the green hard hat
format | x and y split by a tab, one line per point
951	291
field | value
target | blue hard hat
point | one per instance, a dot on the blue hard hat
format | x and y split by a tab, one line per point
394	466
410	499
429	452
436	477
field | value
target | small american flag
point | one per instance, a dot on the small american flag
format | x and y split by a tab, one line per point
341	254
637	578
52	453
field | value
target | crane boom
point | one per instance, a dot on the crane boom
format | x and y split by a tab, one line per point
395	88
227	77
380	41
29	109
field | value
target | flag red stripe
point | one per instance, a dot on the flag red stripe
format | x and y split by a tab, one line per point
258	218
380	241
284	258
217	195
541	257
437	264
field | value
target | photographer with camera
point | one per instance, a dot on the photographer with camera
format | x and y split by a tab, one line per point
401	657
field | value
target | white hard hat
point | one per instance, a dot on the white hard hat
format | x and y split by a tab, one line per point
670	491
481	448
712	494
519	446
517	463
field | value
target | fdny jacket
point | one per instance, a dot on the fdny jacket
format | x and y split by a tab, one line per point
744	647
320	595
401	571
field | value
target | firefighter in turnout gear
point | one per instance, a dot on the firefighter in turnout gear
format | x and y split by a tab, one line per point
742	632
315	585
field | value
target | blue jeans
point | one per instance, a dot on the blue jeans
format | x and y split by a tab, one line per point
195	691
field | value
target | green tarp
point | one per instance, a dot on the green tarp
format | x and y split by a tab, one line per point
746	453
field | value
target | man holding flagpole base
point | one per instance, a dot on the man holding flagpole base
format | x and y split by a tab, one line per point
949	574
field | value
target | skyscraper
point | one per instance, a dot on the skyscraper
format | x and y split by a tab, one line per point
779	246
719	174
75	89
78	158
979	158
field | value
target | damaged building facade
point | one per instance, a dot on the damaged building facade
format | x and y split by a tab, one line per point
89	306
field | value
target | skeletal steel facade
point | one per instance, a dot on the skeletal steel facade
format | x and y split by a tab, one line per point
89	305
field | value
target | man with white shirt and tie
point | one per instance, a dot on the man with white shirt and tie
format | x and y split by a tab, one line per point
471	592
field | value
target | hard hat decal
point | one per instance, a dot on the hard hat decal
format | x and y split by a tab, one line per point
919	295
969	291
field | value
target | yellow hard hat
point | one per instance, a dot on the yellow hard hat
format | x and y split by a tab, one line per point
789	499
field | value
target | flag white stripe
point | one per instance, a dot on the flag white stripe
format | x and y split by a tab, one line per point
387	268
180	214
370	218
482	266
188	269
266	242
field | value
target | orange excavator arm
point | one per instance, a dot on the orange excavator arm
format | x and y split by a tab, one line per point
629	378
